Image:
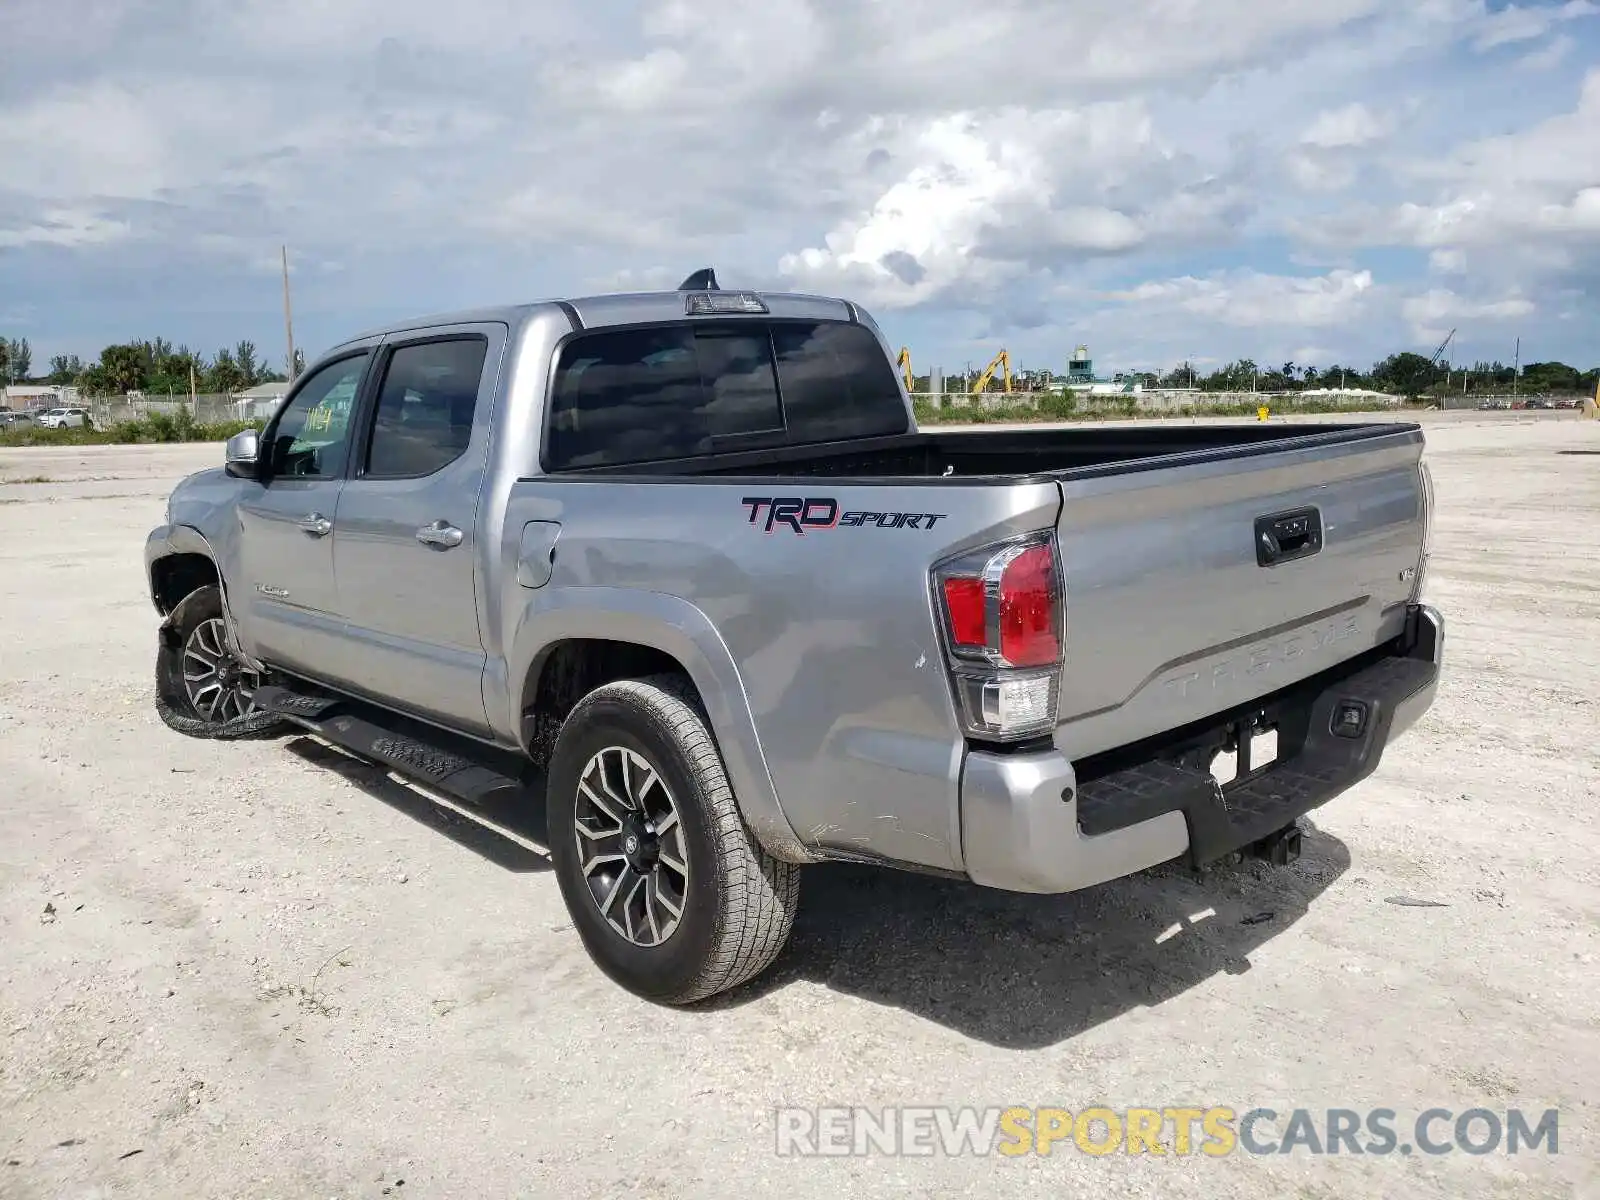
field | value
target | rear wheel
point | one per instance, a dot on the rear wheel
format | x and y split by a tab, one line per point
203	689
672	895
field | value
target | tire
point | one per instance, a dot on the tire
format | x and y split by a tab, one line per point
737	903
200	613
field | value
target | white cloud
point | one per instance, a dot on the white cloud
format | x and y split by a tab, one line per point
1515	23
988	199
977	173
1250	298
1519	209
1310	355
1436	311
1352	125
1549	56
95	139
1440	304
64	227
975	185
1563	151
1320	172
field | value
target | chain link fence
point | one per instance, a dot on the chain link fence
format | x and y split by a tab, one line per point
214	408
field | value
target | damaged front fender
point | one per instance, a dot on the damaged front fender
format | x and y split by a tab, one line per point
168	542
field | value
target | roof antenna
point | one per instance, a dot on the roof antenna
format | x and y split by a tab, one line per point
703	280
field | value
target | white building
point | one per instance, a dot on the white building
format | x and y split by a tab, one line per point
260	402
30	397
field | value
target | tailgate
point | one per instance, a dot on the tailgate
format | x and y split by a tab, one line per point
1178	608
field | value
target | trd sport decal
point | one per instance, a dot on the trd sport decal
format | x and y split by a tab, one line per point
808	514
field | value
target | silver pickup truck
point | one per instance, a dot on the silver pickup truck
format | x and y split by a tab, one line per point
684	562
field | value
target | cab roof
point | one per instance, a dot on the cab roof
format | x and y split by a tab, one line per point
692	298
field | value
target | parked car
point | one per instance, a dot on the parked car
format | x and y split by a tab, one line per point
64	418
14	420
689	552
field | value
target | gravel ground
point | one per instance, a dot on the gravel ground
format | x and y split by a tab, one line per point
264	970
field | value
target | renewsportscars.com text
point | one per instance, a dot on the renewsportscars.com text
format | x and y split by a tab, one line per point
1214	1131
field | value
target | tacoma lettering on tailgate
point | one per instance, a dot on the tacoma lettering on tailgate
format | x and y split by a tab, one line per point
1262	659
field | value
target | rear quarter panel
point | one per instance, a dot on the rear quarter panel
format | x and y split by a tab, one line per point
828	632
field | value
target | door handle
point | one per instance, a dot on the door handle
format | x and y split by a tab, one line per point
316	524
440	533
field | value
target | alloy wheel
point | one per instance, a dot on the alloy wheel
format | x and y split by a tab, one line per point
220	688
631	846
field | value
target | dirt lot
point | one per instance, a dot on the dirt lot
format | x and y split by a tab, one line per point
258	970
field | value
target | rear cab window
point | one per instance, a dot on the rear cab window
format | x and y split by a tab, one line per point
655	393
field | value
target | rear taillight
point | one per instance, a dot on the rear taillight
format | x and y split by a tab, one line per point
963	601
1001	612
1029	618
1427	535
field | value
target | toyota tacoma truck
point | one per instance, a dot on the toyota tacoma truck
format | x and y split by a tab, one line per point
684	562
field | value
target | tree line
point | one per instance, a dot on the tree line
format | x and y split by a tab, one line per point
1405	374
154	367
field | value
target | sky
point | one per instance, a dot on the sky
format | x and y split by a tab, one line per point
1312	181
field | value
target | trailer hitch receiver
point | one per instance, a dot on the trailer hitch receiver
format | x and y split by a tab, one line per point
1280	848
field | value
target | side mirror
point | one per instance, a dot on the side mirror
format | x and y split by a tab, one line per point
242	455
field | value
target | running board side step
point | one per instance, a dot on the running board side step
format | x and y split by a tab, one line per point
328	717
298	705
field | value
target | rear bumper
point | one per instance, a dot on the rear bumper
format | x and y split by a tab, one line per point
1028	825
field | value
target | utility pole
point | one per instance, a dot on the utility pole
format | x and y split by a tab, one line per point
1516	368
288	319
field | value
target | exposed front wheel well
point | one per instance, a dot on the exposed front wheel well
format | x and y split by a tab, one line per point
178	575
572	669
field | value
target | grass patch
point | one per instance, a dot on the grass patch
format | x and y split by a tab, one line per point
27	479
152	429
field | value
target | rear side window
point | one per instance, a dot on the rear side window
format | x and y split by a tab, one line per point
626	396
836	382
676	391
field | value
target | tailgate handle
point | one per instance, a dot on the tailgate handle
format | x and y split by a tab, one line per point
1284	537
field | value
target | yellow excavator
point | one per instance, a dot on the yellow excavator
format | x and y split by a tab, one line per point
904	363
1003	362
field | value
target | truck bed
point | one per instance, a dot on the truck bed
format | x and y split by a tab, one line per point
1015	455
1173	617
797	529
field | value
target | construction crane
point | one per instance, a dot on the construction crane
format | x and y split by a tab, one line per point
904	363
1003	362
1432	362
1442	347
